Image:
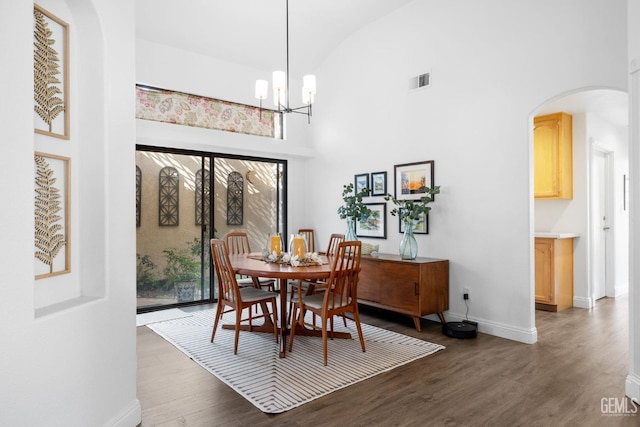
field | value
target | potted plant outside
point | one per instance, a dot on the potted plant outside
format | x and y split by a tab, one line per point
353	209
410	212
182	272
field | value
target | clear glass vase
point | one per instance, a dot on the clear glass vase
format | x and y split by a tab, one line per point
351	230
408	244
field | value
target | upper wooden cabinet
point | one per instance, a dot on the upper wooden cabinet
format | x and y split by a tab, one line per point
553	156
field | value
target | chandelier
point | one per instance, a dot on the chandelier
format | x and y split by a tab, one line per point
280	85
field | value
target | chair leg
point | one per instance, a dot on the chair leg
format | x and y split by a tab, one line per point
324	340
293	326
356	317
215	323
274	316
238	318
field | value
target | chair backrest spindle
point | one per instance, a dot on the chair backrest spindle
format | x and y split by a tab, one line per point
334	241
237	243
343	282
310	237
227	284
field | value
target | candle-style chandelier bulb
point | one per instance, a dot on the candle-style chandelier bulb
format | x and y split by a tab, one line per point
281	86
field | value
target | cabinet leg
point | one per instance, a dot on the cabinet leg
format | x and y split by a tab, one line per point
416	322
441	316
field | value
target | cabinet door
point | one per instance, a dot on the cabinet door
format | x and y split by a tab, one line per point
546	144
369	281
400	286
544	271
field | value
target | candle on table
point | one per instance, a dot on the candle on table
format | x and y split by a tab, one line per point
297	247
275	244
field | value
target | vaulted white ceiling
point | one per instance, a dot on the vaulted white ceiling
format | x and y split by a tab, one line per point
253	32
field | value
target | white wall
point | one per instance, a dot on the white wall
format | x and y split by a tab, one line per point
491	67
68	356
632	384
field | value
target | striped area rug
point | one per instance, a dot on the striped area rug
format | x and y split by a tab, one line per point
144	319
275	385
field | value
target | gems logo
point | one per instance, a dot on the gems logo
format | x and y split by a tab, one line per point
613	406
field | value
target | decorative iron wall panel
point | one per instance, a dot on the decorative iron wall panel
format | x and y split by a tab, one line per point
235	198
169	184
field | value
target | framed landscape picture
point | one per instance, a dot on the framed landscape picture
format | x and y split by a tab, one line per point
374	225
360	181
411	178
422	227
378	183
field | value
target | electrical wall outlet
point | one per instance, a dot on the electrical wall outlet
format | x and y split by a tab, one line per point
465	293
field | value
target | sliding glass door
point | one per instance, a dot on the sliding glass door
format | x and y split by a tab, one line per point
175	208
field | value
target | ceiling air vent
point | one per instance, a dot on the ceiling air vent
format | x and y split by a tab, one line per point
421	81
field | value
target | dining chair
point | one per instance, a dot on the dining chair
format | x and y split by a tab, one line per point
308	286
238	243
237	298
340	296
310	236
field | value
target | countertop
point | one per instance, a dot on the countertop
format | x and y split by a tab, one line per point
548	235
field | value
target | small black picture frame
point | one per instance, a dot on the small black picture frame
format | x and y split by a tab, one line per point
360	181
378	183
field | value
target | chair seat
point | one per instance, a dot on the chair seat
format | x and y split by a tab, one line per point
316	300
248	281
250	294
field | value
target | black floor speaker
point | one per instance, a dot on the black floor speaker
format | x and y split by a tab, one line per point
459	330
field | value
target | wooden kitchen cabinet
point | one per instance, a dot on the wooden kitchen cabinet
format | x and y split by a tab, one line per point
412	287
553	156
553	273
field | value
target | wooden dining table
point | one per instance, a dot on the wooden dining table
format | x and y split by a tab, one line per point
254	266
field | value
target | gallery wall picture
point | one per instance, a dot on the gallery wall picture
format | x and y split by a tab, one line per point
412	178
50	74
375	224
51	215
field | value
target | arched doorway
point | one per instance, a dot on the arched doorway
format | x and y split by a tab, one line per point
598	211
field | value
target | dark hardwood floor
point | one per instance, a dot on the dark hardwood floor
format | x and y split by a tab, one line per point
580	358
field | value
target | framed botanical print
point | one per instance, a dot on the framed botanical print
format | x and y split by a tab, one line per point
375	224
50	74
378	183
412	178
51	215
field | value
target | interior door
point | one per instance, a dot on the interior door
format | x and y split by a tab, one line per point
599	224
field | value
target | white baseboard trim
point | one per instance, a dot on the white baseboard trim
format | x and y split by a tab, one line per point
632	387
527	336
129	417
583	302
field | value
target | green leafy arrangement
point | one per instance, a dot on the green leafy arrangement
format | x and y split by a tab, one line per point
412	210
353	208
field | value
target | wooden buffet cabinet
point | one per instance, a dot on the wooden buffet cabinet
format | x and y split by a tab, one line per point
413	287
